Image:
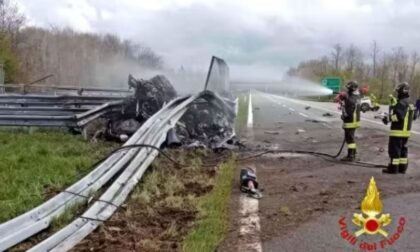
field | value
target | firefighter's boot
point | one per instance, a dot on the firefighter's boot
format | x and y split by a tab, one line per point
392	169
351	156
402	168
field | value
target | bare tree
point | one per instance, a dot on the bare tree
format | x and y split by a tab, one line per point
336	56
399	63
414	60
11	20
147	57
381	72
353	57
383	75
374	54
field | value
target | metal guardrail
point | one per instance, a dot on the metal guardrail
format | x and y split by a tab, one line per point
116	194
47	120
38	88
55	111
13	100
39	218
69	236
40	110
136	161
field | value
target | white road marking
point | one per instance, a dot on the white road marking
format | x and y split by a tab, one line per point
272	98
250	225
249	219
250	121
333	111
302	114
292	109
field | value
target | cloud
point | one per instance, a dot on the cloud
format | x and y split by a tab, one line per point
262	37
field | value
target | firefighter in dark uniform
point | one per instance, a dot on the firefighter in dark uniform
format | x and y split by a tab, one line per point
401	115
351	119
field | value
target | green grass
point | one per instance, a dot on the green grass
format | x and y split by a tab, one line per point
66	217
213	222
242	117
34	166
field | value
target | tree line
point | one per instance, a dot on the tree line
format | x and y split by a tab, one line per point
380	70
74	58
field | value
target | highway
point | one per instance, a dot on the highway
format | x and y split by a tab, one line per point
306	196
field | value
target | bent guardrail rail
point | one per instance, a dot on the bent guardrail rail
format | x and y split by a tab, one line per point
117	193
45	119
39	88
26	225
135	161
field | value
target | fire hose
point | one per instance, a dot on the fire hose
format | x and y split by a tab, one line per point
325	156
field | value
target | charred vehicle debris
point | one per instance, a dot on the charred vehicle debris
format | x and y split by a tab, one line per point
205	124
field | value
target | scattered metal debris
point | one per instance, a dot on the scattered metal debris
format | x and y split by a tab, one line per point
249	183
307	107
380	115
271	132
312	140
312	121
327	114
299	131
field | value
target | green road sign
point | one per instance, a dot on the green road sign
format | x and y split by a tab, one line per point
333	83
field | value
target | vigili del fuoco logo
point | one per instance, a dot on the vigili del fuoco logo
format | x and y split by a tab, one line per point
371	222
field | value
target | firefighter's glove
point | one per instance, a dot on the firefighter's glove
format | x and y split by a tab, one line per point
385	120
344	114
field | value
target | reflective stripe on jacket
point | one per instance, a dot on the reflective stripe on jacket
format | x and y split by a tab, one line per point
401	117
351	112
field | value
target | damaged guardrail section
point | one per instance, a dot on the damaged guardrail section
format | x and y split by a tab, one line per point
133	162
151	115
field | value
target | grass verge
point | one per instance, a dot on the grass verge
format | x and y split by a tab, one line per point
213	222
34	166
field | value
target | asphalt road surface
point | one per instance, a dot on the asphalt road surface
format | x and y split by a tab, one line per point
305	196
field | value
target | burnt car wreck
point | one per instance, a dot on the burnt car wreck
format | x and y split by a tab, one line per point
206	123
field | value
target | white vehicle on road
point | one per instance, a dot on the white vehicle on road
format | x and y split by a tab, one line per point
366	105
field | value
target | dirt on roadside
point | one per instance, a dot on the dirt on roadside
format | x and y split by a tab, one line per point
159	213
161	210
298	188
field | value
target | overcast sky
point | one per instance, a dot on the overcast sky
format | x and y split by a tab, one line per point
254	36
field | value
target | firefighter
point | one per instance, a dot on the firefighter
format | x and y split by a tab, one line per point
401	115
351	119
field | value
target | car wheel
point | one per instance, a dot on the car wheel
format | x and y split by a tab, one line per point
364	107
